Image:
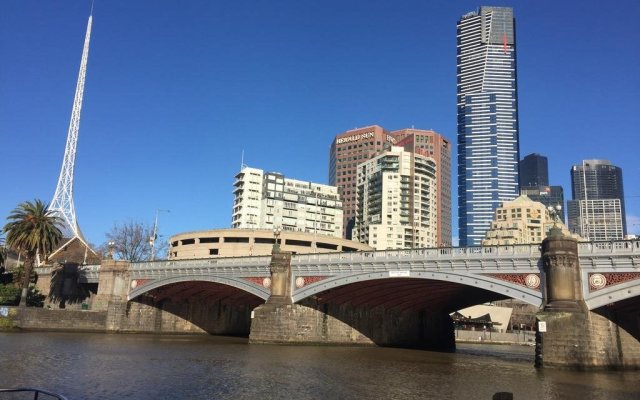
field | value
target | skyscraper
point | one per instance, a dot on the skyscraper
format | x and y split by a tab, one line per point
534	183
396	206
431	144
349	149
597	209
534	170
353	147
487	101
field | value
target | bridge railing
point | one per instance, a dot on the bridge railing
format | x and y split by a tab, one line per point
223	262
486	252
614	246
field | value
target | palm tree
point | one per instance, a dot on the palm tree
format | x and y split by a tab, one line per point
33	230
2	251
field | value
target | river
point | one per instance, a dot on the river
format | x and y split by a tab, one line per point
116	366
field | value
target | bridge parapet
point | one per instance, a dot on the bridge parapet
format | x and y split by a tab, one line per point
234	266
617	247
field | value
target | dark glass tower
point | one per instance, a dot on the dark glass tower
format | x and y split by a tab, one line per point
487	101
534	170
534	183
597	209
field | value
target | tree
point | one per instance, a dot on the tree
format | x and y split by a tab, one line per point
2	253
33	230
131	242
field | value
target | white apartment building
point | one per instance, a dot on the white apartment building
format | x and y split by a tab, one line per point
396	203
269	200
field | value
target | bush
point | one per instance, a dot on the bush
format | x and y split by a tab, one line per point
9	295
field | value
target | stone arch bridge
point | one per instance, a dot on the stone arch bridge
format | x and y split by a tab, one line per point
394	297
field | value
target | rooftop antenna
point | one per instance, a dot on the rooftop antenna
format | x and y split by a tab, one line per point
242	164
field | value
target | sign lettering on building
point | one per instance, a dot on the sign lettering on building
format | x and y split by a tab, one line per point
355	138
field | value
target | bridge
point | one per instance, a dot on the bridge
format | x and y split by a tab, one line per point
610	271
395	297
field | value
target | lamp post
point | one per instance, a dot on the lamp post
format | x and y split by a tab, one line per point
276	235
152	239
112	246
555	213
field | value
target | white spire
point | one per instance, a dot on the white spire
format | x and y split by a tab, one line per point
62	203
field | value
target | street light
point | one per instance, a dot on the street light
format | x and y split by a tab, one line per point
152	239
112	246
555	213
276	234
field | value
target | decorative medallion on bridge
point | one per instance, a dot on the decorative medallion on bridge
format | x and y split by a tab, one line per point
260	281
597	281
138	282
303	281
600	281
531	281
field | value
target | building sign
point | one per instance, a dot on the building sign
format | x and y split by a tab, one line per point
391	139
399	274
355	138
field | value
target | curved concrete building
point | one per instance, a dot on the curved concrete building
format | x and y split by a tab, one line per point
253	242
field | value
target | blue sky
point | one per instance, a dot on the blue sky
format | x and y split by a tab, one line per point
176	91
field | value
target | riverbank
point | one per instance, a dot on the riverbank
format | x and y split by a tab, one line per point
44	319
524	338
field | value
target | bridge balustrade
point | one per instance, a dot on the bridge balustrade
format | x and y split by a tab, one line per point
446	253
614	246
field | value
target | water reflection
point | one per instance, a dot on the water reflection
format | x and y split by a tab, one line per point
96	366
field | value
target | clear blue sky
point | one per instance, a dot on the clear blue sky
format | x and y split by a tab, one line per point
175	91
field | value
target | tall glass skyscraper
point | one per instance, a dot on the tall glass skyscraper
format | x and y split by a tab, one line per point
488	150
597	210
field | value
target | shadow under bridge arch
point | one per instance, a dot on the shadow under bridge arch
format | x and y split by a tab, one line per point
450	290
239	284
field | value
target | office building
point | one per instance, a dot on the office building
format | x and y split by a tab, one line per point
597	210
349	149
431	144
396	206
534	171
534	183
521	221
487	103
353	147
550	196
269	200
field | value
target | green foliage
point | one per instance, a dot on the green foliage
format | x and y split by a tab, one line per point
9	295
32	229
35	298
3	250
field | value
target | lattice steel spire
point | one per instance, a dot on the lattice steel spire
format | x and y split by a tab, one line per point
62	203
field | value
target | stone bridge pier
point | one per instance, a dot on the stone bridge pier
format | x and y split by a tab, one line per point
568	334
312	321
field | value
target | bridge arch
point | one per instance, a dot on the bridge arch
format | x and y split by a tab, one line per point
613	294
490	284
237	283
